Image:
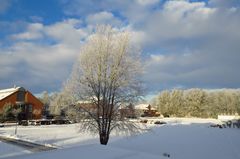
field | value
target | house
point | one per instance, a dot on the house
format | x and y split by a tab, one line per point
146	110
31	107
127	111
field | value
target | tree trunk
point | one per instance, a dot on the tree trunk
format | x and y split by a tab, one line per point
104	137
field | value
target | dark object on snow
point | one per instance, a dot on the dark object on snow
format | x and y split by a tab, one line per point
61	121
217	126
236	124
160	122
166	155
229	123
23	123
144	121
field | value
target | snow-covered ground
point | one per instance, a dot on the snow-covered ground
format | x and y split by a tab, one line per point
180	138
7	150
56	135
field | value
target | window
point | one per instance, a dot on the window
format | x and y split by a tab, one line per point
30	108
21	96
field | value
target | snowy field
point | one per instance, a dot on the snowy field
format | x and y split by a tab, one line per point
179	138
7	150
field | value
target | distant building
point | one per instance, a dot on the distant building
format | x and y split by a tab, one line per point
127	111
31	107
146	110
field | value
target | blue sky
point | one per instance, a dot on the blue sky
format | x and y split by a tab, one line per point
185	43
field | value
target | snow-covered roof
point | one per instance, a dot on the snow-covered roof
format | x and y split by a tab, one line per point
143	107
6	92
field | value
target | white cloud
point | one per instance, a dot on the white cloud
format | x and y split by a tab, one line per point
102	18
179	19
147	2
197	46
157	58
67	31
137	37
184	43
34	31
28	63
133	10
42	65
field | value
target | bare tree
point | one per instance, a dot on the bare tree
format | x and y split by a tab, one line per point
107	76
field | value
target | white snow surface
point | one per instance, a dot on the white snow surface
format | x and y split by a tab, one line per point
7	150
180	138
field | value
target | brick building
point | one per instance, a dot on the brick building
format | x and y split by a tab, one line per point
31	107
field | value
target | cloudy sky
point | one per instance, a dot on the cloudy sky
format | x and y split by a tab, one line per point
185	43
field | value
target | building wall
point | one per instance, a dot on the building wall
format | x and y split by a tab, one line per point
36	103
30	99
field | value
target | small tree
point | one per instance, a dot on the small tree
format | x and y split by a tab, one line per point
107	75
15	112
10	113
46	102
7	112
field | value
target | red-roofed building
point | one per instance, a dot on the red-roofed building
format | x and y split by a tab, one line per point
31	106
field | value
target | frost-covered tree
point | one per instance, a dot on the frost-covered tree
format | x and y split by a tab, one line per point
177	103
60	101
171	103
107	76
10	112
45	99
196	101
163	104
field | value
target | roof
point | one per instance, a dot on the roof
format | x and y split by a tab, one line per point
7	92
144	107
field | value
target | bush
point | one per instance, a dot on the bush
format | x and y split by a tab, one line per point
166	115
160	122
144	121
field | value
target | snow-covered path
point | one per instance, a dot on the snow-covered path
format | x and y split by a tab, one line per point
33	147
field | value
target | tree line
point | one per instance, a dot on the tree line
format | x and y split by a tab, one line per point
198	102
